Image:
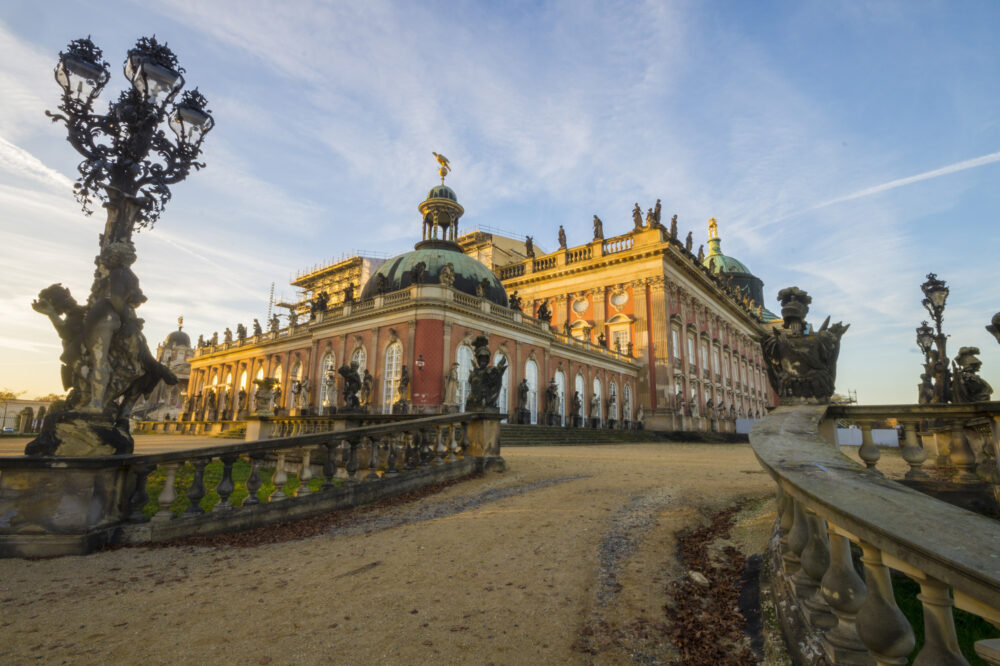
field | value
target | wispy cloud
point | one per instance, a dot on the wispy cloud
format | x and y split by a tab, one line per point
900	182
18	161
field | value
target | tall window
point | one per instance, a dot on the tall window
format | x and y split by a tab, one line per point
361	356
531	374
582	390
612	401
390	380
677	348
464	358
253	388
561	404
598	395
716	361
704	355
620	340
296	376
243	380
692	352
627	403
327	389
725	367
502	402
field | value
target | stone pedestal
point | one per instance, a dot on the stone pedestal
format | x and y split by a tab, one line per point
49	512
80	434
258	427
484	442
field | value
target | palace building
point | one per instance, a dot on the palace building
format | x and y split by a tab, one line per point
631	327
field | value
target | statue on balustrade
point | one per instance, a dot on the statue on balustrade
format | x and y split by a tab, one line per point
566	329
637	217
544	314
352	384
689	242
367	389
673	228
514	301
257	330
562	238
529	247
293	317
215	339
966	384
241	332
802	366
227	336
657	210
482	288
349	293
275	325
701	253
630	349
650	219
224	404
381	284
418	273
598	228
485	382
318	304
602	340
201	341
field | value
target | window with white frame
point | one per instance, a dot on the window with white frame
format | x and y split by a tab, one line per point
580	387
612	401
326	389
627	403
390	377
503	401
692	355
360	356
561	402
531	374
597	394
464	357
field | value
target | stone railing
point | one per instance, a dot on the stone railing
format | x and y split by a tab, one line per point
400	296
466	299
961	439
618	244
826	503
512	271
579	254
544	263
502	312
63	506
186	427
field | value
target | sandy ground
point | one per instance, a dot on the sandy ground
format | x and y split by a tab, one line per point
563	551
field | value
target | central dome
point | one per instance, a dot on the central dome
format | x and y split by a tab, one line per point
397	273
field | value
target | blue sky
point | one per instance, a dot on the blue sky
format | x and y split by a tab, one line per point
846	148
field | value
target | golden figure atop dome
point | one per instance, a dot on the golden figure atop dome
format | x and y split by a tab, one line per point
713	229
445	165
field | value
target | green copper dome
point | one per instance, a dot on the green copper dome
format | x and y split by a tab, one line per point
442	192
720	263
397	273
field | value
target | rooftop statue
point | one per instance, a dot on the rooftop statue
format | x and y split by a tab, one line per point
257	330
650	219
529	247
318	304
418	272
673	228
657	210
349	293
637	217
701	253
241	332
447	275
598	228
689	242
227	336
485	382
562	237
544	314
445	165
802	366
515	301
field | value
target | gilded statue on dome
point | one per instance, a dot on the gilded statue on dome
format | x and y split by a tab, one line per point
445	165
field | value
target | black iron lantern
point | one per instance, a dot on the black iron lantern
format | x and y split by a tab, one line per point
152	69
925	337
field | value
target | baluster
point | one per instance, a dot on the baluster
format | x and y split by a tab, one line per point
305	473
330	466
197	489
940	641
913	453
798	536
962	457
139	494
168	494
844	591
438	445
868	452
882	627
390	463
815	558
279	479
426	454
465	438
226	485
372	459
453	444
410	456
352	461
253	481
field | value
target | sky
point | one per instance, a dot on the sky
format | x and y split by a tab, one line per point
847	148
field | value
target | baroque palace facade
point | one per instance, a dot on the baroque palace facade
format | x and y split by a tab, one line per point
634	327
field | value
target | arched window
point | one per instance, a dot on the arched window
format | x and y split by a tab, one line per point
581	388
627	403
393	369
597	394
253	388
327	379
361	356
277	373
503	401
464	358
561	385
229	379
531	374
243	380
612	401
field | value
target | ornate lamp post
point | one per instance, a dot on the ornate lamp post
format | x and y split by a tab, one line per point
129	164
936	387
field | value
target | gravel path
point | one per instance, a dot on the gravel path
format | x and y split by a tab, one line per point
563	559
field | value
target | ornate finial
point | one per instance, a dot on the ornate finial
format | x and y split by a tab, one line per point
180	322
713	229
445	166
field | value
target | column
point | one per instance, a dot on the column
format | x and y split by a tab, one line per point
659	335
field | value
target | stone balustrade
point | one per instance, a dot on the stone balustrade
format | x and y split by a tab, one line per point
60	506
579	254
827	502
544	263
618	244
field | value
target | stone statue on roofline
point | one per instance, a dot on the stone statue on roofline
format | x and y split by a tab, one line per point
598	228
689	242
562	238
637	217
529	247
673	228
802	366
